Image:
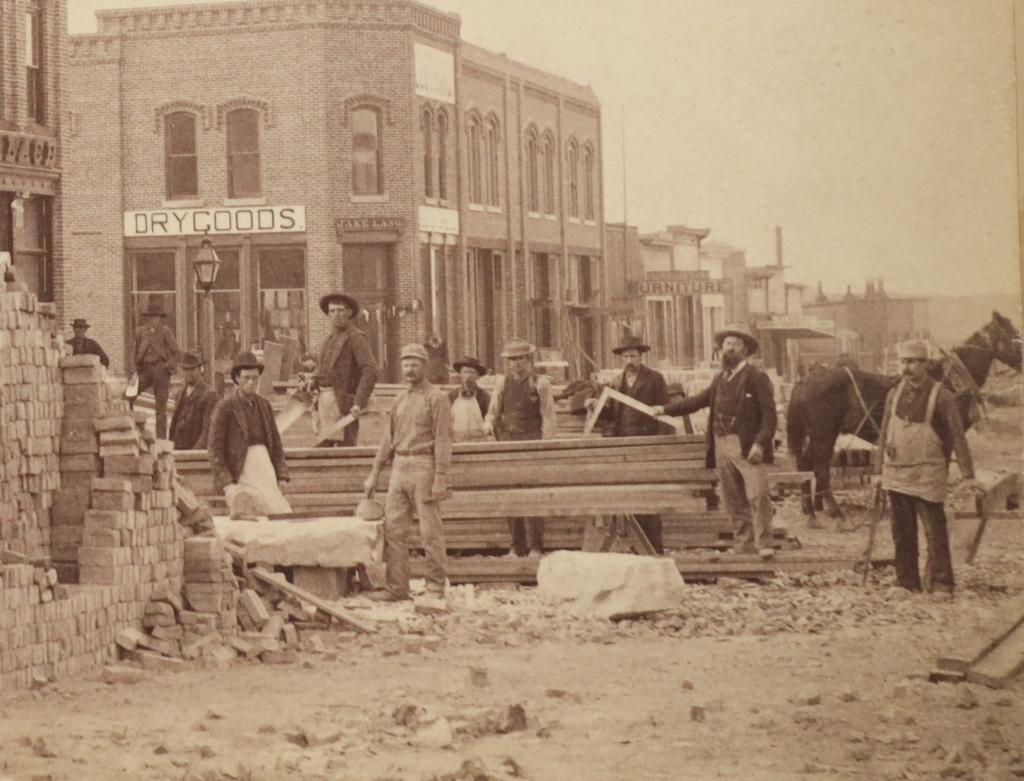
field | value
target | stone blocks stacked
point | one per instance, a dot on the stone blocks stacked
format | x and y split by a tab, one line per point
211	591
30	411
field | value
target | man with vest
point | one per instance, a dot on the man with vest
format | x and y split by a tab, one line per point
522	407
156	353
921	428
190	423
647	386
739	439
83	345
469	401
418	439
347	371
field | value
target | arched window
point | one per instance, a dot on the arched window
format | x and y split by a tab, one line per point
180	162
442	156
549	174
572	162
493	194
588	183
427	127
243	137
475	161
366	152
533	172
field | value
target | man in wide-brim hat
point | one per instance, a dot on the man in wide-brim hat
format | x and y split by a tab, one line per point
245	448
155	355
740	437
648	387
347	371
193	407
469	401
83	345
921	428
522	407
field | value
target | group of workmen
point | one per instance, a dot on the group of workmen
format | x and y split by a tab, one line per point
244	445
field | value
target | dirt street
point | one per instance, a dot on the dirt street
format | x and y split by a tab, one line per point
799	678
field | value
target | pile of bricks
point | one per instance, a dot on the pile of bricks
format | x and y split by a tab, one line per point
49	630
30	412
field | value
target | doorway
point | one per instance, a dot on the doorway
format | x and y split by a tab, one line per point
368	274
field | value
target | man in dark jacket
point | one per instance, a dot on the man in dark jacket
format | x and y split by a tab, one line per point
647	386
190	423
83	345
347	370
469	401
741	429
245	446
155	355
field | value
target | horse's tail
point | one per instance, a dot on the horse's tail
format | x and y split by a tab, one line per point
796	425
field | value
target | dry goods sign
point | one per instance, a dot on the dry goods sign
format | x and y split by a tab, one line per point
216	221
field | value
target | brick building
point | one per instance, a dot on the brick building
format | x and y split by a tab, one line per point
33	51
367	148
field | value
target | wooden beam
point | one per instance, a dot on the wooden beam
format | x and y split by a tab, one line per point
266	577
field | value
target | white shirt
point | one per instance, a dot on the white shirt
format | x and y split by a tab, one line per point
739	367
467	420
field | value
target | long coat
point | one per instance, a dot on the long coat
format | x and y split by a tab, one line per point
348	367
649	389
87	346
229	440
757	416
190	424
156	339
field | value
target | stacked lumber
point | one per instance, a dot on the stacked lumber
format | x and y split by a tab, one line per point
992	659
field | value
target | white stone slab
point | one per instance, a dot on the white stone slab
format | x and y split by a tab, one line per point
320	542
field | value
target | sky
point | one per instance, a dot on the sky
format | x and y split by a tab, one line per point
880	134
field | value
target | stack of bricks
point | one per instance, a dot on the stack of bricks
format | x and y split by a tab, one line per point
30	412
86	399
48	630
211	591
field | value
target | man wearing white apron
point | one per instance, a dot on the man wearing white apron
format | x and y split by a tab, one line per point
920	430
469	401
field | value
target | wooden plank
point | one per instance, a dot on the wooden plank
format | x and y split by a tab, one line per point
1010	617
1002	663
266	577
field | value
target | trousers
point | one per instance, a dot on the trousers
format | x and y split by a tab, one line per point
906	510
157	375
412	478
745	493
527	533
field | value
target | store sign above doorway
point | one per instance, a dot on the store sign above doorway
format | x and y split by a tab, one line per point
434	219
225	220
679	287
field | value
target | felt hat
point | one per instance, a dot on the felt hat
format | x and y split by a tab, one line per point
740	330
414	351
631	343
468	362
190	361
517	347
155	308
244	361
347	300
79	322
914	348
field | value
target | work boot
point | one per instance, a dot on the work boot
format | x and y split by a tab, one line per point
431	604
535	553
766	553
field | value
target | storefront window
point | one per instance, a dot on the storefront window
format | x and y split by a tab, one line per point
282	307
32	230
153	282
227	309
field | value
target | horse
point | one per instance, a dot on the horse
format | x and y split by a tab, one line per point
848	400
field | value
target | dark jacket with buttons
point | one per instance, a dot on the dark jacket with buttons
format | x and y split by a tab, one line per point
229	440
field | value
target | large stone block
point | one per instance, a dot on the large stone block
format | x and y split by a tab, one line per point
69	506
609	585
321	542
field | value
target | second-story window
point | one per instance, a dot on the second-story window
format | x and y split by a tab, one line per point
573	164
34	97
532	173
366	152
549	174
427	126
442	156
243	134
588	183
493	198
181	167
475	162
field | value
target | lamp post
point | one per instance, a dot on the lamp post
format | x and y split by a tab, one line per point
206	266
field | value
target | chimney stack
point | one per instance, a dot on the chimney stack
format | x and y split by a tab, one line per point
778	246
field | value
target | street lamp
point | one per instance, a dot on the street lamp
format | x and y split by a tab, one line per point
206	266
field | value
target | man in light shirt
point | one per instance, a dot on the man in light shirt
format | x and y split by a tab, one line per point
469	401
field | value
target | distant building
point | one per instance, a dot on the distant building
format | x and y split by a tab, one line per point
881	319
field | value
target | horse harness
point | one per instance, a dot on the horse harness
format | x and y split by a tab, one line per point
863	405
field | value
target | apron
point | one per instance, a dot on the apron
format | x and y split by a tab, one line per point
258	479
913	462
326	410
467	421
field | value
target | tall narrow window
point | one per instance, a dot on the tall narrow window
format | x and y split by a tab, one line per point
588	183
243	133
427	129
493	195
549	174
366	152
532	173
442	156
34	98
572	162
181	167
475	162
